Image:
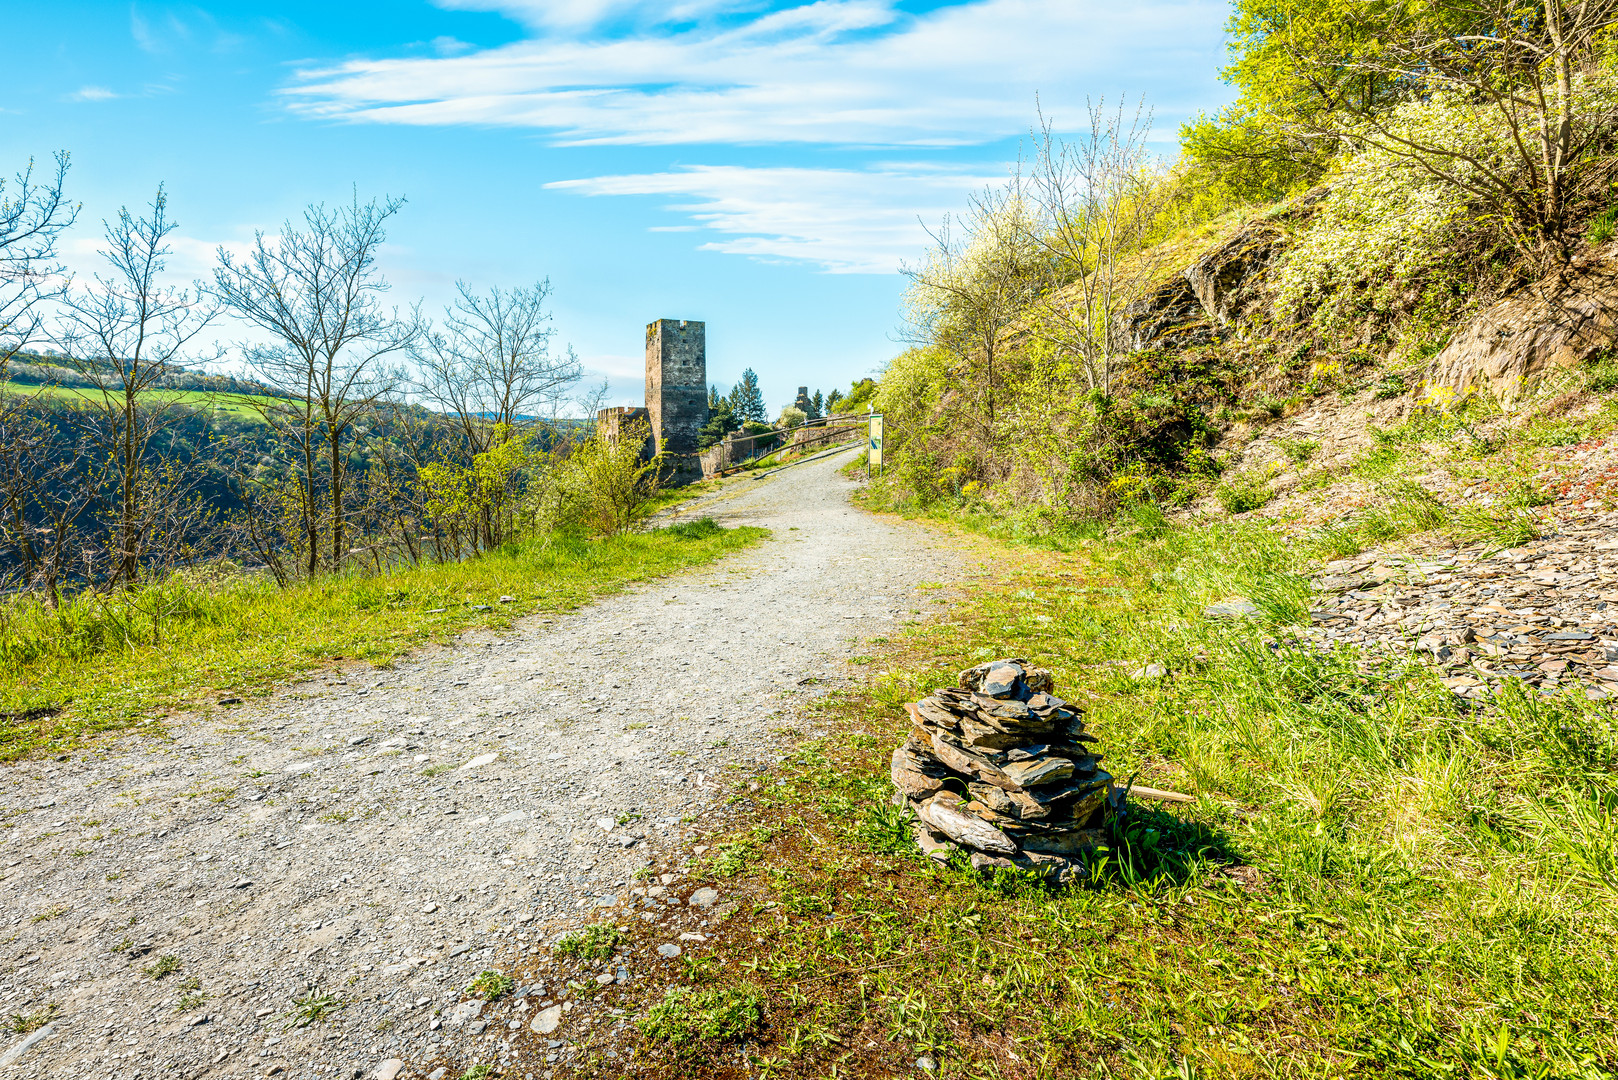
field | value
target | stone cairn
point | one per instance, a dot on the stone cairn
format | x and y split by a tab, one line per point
999	767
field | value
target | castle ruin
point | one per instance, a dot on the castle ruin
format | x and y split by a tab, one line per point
676	384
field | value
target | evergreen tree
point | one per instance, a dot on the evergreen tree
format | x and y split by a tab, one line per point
721	421
817	406
832	399
746	399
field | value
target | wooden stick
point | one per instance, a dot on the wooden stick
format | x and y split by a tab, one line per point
1161	796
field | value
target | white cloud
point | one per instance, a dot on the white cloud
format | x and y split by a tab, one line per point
842	220
92	93
578	15
833	72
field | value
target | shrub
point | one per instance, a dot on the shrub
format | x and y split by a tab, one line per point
595	487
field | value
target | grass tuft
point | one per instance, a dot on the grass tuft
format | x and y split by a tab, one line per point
594	942
491	985
686	1016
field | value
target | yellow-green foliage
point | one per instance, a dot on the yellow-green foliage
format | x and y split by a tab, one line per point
484	502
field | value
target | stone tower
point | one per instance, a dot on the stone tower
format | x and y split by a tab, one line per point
676	384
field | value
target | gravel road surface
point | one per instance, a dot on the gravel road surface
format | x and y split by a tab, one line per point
367	841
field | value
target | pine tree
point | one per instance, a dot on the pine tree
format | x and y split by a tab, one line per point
721	422
817	406
832	399
746	399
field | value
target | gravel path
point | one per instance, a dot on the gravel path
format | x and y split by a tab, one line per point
378	836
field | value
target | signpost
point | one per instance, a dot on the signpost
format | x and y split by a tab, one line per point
876	443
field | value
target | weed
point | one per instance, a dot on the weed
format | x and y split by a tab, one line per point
1602	226
163	965
1601	374
23	1023
435	770
313	1008
1239	494
52	913
594	942
491	985
685	1016
1298	451
478	1072
188	1002
1390	386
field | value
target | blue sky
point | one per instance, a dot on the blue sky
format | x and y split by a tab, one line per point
760	166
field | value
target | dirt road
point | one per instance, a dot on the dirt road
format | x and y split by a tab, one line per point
371	840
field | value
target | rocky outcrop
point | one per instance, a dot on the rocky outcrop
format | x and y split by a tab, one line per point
1228	281
1168	318
1510	347
1222	288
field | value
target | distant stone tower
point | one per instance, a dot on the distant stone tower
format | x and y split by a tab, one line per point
676	383
802	400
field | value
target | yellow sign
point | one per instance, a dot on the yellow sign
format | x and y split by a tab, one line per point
876	440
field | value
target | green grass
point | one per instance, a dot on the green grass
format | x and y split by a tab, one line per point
313	1008
1403	508
1377	878
238	406
687	1016
491	985
1242	493
594	942
101	663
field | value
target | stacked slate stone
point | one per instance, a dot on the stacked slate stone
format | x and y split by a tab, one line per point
1000	767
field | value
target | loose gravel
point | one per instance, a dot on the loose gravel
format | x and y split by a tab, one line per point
304	886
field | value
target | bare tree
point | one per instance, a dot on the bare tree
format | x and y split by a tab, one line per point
125	334
1099	200
975	284
490	364
317	291
48	485
32	217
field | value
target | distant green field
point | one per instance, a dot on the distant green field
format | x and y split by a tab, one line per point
239	406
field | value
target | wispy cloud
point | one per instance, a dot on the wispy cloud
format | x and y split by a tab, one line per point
92	93
843	221
832	72
574	16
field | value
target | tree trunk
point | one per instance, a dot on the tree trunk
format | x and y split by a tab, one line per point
126	527
334	440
